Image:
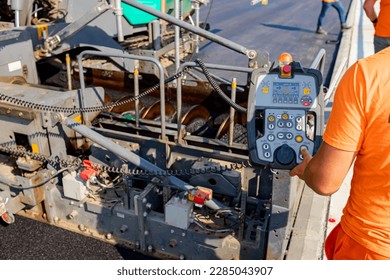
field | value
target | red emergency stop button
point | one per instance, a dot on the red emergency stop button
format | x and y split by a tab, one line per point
287	69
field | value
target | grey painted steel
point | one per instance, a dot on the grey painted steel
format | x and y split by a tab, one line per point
53	41
118	14
122	152
197	21
196	30
16	54
156	33
319	61
177	35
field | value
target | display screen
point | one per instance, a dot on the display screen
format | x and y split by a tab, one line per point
285	88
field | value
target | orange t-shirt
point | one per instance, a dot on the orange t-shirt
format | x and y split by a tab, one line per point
360	121
382	28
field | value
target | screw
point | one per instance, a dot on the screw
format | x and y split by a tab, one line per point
73	214
124	228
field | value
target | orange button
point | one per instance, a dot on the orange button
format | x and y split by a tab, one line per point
299	139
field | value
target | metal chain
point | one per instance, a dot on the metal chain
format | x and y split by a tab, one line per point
58	109
77	163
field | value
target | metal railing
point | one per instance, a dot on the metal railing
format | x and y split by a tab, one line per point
319	61
127	56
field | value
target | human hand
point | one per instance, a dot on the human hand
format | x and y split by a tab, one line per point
299	170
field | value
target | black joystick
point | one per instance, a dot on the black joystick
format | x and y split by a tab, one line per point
284	155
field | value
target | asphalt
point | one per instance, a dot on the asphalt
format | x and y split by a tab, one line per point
282	26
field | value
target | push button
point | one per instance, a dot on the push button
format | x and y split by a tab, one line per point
299	138
281	135
271	137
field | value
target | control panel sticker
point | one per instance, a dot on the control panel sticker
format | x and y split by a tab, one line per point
14	66
274	92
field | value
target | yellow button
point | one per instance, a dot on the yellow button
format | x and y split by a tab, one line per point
271	118
285	116
299	139
265	90
306	91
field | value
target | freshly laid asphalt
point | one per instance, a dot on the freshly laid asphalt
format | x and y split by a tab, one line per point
282	26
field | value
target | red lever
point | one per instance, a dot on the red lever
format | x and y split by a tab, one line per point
89	170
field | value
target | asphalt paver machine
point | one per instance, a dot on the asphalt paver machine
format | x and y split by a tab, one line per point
108	132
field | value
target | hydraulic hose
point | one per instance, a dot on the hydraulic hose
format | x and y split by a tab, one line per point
218	89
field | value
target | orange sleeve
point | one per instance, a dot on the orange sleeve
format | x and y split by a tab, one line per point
346	125
382	28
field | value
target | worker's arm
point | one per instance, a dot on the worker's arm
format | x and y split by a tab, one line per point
324	172
369	9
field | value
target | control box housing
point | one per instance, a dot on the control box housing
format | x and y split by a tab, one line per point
285	113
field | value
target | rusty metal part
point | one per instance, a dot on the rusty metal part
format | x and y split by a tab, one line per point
195	112
126	107
15	80
195	119
153	112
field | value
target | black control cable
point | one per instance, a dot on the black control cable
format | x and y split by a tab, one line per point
216	87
